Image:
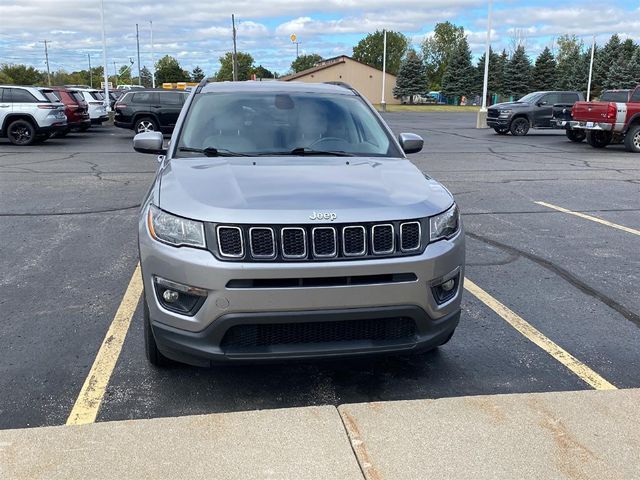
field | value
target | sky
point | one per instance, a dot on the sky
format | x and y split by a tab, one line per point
199	32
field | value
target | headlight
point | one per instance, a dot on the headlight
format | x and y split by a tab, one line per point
504	112
173	230
445	225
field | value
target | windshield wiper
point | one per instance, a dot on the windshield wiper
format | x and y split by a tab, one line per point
310	151
213	152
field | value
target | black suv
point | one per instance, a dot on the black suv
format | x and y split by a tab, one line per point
149	110
534	110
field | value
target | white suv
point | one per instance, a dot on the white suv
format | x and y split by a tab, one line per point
97	105
29	114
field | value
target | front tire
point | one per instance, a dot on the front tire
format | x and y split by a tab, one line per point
154	356
520	127
599	139
576	136
145	124
632	139
21	132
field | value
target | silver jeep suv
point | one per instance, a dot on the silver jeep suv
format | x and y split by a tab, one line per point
285	222
30	114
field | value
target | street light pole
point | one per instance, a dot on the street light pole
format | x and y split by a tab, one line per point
153	61
104	58
593	48
384	68
90	72
482	114
46	56
235	52
138	46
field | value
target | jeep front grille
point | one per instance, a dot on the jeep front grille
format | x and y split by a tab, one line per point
317	242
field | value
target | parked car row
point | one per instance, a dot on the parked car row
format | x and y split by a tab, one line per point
34	114
149	110
615	118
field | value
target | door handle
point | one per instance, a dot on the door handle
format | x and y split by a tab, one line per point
4	106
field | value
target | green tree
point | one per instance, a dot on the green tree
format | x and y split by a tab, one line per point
22	74
262	72
168	70
370	50
518	73
544	71
124	75
411	79
197	74
147	79
634	67
303	62
245	67
620	74
602	63
458	78
496	68
437	50
570	75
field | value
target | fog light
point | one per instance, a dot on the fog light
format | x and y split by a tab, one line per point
170	296
448	285
178	297
445	288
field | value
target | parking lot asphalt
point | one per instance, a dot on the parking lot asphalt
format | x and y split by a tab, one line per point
68	239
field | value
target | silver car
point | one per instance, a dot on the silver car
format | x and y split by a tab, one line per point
286	222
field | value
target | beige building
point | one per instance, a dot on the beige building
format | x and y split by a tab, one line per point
365	79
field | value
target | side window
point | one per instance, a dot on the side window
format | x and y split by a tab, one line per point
636	96
4	95
172	98
21	96
550	99
568	98
142	97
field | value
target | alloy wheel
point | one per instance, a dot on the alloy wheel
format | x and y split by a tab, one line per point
21	134
636	140
145	126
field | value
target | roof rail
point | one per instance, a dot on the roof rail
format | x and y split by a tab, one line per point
202	83
341	84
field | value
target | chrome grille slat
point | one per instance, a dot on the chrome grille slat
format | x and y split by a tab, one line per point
354	241
410	236
382	239
262	242
324	242
294	242
230	242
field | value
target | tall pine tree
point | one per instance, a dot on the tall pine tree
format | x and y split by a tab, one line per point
619	75
602	63
458	78
411	78
544	71
634	66
518	73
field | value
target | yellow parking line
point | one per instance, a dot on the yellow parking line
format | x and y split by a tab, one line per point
88	402
589	217
534	335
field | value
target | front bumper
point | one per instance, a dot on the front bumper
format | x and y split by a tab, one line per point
494	122
198	339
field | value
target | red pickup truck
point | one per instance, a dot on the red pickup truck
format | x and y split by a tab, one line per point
610	122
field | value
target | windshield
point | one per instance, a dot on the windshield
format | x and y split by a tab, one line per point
278	123
530	98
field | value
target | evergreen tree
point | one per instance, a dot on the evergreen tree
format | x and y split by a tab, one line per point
602	63
518	73
570	63
544	71
500	75
619	75
411	79
458	78
197	74
634	67
146	77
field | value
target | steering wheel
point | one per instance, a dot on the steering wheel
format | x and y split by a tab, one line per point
327	139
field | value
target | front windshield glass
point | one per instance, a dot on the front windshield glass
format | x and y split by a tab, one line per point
275	123
530	97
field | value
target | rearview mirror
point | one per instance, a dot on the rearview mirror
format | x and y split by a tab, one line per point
410	142
149	142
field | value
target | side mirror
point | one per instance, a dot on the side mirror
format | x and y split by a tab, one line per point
410	142
149	142
542	103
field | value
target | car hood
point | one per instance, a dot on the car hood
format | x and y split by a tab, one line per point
510	105
289	189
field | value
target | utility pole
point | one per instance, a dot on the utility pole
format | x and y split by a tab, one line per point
46	56
138	46
235	52
153	61
593	49
104	58
482	114
384	68
116	71
90	72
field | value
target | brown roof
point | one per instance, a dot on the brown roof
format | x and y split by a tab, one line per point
326	63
